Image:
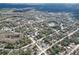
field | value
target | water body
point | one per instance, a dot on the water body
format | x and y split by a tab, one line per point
52	7
44	7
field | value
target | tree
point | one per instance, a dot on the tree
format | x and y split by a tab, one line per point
55	50
27	52
65	42
9	46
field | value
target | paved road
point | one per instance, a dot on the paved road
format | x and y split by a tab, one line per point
74	49
59	41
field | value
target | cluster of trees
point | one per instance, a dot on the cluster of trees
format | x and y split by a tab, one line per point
9	46
55	50
20	52
65	42
3	52
24	41
20	43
